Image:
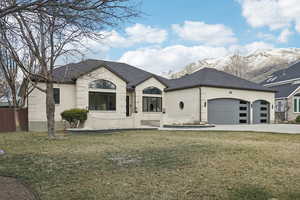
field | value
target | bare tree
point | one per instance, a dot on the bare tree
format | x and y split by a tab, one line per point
9	71
11	6
51	31
237	66
4	88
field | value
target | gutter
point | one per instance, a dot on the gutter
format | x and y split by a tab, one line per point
237	88
281	82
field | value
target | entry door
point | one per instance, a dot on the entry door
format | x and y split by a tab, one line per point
127	106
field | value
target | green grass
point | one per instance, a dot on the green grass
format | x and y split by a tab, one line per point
148	165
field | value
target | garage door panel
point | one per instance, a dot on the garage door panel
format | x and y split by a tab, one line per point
228	111
261	112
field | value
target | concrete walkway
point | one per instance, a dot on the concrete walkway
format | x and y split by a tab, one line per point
273	128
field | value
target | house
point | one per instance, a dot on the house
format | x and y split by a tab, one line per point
287	83
118	95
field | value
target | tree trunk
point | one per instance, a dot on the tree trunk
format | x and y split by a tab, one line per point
15	106
50	110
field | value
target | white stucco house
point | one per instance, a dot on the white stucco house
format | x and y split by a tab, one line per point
118	95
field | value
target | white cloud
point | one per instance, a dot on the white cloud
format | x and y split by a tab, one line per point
275	14
141	33
208	34
284	36
136	34
159	60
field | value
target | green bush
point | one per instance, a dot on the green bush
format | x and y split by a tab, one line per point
298	120
75	117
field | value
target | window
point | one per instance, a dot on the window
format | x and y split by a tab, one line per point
152	104
263	114
151	90
263	121
263	108
243	102
56	95
296	104
243	114
263	103
102	84
102	101
243	108
243	121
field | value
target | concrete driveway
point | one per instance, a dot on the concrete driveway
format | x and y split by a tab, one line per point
274	128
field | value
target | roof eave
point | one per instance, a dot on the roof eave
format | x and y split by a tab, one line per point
225	87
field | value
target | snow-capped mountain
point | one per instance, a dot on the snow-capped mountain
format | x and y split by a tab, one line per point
259	64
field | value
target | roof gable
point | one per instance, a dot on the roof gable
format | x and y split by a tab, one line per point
155	77
100	66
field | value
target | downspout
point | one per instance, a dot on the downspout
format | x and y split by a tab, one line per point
287	108
200	106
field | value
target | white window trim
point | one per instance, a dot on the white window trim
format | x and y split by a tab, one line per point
102	90
298	107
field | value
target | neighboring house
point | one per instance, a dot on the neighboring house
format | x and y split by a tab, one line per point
287	84
118	95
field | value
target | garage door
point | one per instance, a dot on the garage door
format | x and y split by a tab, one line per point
261	112
228	111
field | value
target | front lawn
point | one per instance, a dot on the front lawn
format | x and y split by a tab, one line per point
150	165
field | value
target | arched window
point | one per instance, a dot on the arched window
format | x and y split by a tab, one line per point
151	90
102	84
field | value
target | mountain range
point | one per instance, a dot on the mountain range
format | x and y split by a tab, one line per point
259	64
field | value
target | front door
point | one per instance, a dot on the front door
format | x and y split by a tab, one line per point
127	106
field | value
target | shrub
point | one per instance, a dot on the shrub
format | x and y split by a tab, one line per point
298	120
75	117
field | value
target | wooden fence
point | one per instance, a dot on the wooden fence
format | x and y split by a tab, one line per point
8	122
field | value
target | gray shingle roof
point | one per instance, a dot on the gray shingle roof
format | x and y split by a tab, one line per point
283	91
291	72
214	78
134	76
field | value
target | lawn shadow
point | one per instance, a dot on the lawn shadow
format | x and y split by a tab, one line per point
250	192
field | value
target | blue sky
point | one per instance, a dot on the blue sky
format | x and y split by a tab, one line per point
174	33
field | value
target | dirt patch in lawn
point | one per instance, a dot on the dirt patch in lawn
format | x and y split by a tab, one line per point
12	189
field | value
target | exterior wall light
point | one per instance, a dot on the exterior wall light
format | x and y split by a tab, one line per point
181	105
